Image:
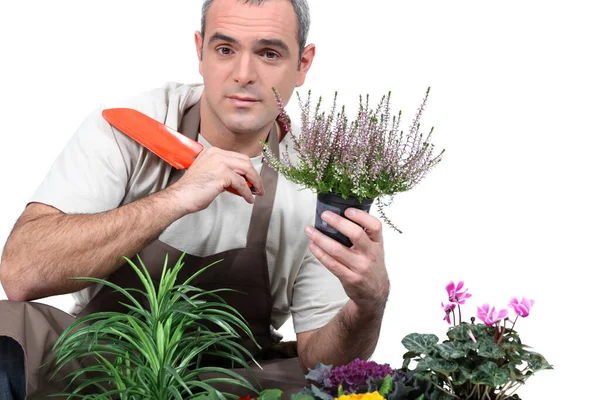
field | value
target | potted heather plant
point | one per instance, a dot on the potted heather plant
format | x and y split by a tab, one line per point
478	361
353	163
155	353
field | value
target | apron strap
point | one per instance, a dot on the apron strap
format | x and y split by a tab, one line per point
263	206
190	123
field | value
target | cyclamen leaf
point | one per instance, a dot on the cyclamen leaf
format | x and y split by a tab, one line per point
491	350
515	374
419	343
538	362
411	354
461	331
441	366
452	350
461	376
490	374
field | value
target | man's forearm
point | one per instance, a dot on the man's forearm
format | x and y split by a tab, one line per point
352	333
44	251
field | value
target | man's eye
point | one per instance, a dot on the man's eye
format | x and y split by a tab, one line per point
271	55
224	51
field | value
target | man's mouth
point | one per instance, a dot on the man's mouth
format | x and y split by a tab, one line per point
243	101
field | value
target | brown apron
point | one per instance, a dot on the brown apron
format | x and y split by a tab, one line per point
36	326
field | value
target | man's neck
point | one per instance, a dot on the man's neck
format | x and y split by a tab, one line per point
247	143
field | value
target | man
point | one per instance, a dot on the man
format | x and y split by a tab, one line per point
107	197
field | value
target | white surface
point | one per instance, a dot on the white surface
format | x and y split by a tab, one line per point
513	207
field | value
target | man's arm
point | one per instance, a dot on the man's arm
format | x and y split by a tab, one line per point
47	246
354	332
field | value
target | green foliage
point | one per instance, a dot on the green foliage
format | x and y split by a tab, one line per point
270	394
155	353
386	385
473	363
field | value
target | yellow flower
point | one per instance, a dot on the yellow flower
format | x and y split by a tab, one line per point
361	396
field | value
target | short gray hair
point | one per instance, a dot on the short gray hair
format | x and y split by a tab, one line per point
302	14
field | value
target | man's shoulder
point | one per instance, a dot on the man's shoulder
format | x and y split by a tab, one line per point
172	97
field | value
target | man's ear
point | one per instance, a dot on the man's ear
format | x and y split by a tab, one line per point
305	62
199	42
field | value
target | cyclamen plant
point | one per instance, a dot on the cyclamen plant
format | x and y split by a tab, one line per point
478	361
367	158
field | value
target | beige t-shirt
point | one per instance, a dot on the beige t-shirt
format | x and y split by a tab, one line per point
101	169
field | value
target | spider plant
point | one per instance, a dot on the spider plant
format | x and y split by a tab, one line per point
155	353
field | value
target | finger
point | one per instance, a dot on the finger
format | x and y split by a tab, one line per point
238	183
239	163
244	168
253	179
350	229
333	249
343	273
372	225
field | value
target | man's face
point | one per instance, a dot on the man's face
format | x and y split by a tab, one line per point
246	51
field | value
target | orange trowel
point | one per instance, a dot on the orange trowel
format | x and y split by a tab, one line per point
168	144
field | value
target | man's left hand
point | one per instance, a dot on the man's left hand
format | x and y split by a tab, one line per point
360	268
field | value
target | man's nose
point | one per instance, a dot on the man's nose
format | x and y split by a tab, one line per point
245	70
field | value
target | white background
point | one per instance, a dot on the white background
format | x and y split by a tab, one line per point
513	207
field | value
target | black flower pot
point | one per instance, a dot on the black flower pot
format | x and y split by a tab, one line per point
338	205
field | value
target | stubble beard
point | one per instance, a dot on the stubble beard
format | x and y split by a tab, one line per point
247	122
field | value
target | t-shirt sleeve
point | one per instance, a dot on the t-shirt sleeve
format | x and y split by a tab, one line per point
91	173
317	296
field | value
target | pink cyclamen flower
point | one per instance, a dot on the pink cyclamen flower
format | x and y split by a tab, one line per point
448	309
490	316
522	308
454	293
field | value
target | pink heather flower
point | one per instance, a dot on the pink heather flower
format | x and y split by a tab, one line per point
448	309
490	316
522	308
454	293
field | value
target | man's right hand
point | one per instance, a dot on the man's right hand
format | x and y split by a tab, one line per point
213	171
